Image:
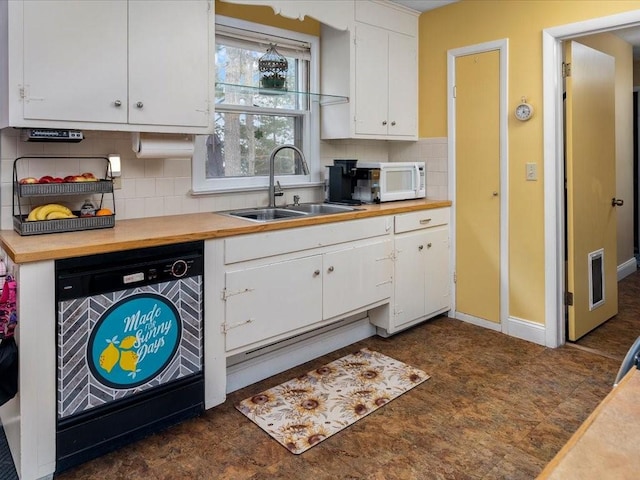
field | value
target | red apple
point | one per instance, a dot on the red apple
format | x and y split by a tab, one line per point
88	175
28	180
46	179
58	180
70	178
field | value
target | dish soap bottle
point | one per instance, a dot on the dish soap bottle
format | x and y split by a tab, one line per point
87	209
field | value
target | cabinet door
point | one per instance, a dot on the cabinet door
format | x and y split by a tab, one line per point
266	301
371	80
75	60
403	85
356	277
169	62
437	265
410	277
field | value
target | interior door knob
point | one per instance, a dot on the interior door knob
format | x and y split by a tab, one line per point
616	202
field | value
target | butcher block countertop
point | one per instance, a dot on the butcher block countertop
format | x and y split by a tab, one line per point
606	444
149	232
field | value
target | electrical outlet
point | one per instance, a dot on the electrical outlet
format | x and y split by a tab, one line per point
117	183
531	171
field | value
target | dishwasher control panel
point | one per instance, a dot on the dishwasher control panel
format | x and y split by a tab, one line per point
80	277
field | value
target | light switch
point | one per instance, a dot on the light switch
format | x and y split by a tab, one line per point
531	171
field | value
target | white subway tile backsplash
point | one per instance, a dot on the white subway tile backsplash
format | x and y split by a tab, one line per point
153	187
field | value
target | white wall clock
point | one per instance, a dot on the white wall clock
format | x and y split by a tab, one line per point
524	111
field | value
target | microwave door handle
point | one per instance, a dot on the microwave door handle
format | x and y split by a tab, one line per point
416	180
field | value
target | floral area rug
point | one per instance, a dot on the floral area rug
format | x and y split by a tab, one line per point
304	411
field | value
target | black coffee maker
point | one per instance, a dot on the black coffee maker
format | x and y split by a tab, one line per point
340	180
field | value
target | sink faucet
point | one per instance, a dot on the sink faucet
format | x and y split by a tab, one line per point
272	157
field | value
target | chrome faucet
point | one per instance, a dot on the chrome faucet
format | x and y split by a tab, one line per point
272	157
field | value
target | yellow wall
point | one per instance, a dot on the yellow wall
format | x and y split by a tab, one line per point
470	22
265	16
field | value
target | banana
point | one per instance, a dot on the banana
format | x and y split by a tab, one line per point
32	214
56	215
45	210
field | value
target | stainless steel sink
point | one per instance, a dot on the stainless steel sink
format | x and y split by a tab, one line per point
320	208
265	214
268	214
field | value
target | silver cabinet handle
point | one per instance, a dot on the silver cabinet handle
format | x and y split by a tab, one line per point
316	273
420	247
424	221
330	269
384	122
117	103
139	105
393	124
429	245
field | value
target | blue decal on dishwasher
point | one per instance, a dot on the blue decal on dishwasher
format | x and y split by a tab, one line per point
134	340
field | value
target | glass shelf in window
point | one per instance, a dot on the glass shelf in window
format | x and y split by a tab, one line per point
288	97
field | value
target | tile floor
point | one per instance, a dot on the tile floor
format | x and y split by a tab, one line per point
495	407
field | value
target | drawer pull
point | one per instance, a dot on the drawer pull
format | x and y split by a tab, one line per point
429	245
420	247
330	269
424	221
316	273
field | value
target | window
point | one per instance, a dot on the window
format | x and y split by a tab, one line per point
250	122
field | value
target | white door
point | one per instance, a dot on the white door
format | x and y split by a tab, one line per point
591	188
168	72
372	85
270	300
437	296
403	85
62	79
410	277
356	277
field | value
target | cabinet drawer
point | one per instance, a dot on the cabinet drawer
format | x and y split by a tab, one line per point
422	219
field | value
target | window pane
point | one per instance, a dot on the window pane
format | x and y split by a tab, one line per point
243	142
239	66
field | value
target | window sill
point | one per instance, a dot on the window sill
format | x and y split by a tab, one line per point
196	193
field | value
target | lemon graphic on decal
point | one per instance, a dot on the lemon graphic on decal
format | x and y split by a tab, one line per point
109	356
129	362
128	342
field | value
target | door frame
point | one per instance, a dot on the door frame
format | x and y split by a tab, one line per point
502	46
553	154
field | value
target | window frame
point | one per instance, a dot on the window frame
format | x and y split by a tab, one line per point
310	132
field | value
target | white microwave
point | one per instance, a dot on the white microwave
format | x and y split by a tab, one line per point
390	181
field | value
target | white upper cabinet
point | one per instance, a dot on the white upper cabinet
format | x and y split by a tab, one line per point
110	65
375	64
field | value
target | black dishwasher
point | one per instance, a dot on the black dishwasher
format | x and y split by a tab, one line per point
129	347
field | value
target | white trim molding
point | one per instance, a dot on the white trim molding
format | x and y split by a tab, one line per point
627	268
526	330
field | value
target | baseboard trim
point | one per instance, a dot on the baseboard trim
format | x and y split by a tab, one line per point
263	366
514	327
480	322
627	268
526	330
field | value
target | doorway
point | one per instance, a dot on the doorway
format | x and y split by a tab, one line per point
553	170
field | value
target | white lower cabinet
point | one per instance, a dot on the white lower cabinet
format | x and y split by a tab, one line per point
279	284
421	287
355	277
269	300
